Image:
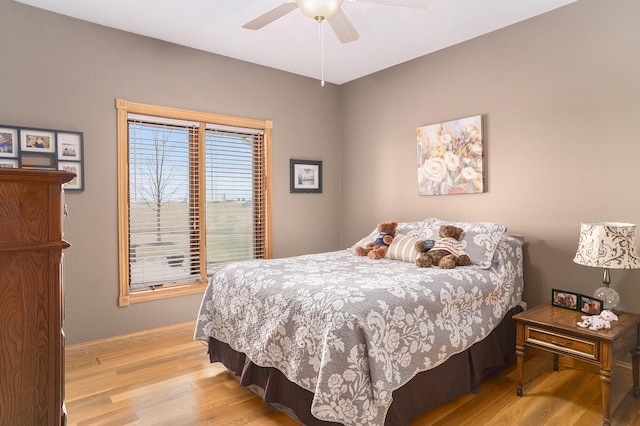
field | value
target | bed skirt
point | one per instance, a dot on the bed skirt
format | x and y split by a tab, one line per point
459	375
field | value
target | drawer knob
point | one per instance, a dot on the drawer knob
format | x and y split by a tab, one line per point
564	345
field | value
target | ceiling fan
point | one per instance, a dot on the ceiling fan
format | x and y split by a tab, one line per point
330	10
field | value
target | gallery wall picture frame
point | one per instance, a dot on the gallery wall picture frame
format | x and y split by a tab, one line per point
32	140
33	160
77	183
305	176
69	146
8	142
8	163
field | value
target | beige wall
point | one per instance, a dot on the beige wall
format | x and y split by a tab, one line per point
560	97
62	73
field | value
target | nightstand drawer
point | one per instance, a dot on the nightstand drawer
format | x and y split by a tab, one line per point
563	343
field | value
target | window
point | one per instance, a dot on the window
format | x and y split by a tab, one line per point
193	195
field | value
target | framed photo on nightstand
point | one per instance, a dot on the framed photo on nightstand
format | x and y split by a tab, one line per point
590	305
565	299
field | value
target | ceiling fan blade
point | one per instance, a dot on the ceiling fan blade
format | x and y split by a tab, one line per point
416	4
343	27
270	16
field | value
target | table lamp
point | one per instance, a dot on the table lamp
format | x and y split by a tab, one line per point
608	245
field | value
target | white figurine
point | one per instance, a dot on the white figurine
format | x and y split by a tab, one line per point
596	322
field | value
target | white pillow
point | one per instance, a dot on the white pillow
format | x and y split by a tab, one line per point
410	228
403	248
371	237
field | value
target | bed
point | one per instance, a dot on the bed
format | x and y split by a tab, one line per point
337	338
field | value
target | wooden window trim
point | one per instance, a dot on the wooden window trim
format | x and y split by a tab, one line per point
124	108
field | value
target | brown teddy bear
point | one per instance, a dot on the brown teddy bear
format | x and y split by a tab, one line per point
377	249
447	252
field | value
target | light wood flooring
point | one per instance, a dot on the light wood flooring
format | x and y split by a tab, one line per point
163	377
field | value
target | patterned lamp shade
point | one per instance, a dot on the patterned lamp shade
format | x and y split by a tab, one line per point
608	245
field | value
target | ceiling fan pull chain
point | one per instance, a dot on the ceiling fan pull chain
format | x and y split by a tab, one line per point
322	52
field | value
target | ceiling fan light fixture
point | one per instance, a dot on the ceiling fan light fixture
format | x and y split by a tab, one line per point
319	10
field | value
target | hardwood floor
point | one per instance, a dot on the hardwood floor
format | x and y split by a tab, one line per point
163	377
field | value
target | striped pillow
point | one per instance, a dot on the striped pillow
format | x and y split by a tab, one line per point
403	248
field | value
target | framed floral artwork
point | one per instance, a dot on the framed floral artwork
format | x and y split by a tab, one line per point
450	157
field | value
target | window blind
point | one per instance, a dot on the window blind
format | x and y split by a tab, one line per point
234	196
163	247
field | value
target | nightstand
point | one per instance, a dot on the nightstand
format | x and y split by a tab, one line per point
554	329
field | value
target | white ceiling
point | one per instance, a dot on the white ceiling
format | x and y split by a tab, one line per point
388	35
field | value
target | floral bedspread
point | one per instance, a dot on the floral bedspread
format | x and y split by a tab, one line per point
352	330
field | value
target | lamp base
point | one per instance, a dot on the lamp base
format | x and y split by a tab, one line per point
610	297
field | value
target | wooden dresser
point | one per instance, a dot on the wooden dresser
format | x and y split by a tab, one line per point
31	300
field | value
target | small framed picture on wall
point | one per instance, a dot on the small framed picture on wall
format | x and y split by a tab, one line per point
37	141
305	176
7	163
8	142
69	146
77	183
